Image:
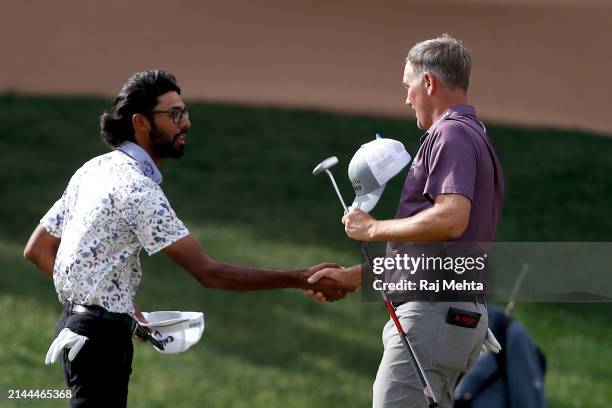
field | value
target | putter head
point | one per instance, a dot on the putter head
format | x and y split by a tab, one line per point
325	165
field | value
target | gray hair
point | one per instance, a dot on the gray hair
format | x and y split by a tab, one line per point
444	57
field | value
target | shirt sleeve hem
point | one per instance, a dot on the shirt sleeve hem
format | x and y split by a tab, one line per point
430	193
50	229
167	243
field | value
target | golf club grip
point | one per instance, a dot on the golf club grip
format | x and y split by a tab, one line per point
156	342
147	336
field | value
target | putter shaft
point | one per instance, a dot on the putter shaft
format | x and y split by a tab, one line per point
331	177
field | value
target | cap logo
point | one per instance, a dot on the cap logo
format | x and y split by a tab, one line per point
161	338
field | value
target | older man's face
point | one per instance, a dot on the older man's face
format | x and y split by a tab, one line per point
417	98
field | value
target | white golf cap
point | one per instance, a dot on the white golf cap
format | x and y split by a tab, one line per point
177	330
372	166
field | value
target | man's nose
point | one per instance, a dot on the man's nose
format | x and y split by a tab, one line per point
185	123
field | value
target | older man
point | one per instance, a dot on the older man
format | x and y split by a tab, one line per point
453	192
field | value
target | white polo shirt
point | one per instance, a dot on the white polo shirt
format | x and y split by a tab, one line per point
108	212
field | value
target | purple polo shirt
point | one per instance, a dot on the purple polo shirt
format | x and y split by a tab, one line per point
456	157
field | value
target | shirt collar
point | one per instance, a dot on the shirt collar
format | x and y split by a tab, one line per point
453	111
147	165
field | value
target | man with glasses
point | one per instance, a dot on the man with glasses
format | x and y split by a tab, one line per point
90	239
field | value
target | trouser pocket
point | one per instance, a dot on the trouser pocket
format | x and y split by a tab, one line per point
455	339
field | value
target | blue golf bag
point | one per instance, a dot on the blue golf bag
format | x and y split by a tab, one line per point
514	378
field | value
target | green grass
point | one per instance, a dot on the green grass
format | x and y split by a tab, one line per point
244	188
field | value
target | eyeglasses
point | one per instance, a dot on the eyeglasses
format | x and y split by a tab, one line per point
177	114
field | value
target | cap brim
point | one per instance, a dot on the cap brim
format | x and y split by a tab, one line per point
366	202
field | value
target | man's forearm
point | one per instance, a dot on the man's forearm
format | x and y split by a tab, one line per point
431	225
189	254
220	275
446	220
422	227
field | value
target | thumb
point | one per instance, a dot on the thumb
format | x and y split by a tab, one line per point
315	277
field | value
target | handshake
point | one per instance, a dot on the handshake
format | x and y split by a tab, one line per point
328	282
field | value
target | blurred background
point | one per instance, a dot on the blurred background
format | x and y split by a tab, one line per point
275	87
536	62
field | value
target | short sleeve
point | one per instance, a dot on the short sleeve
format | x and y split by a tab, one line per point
149	215
452	164
53	220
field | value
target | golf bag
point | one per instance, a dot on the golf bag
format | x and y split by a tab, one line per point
511	379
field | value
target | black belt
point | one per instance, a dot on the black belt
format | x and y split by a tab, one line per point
482	299
101	313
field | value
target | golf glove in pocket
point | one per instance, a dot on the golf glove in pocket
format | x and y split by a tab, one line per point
66	339
490	343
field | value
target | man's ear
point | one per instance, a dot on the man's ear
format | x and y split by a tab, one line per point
430	82
141	123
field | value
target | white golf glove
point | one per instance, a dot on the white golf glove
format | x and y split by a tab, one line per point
491	343
67	339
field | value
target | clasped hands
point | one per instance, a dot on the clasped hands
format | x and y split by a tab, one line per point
322	280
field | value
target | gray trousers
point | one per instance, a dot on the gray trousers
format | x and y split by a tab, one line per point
444	350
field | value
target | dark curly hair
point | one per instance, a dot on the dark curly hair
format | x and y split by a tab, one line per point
138	95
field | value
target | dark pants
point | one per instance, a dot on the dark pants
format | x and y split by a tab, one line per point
99	374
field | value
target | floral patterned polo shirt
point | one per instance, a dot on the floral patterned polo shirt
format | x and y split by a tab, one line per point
111	209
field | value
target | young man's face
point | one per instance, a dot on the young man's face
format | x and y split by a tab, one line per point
169	128
417	98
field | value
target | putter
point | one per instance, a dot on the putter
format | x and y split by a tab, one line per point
324	166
